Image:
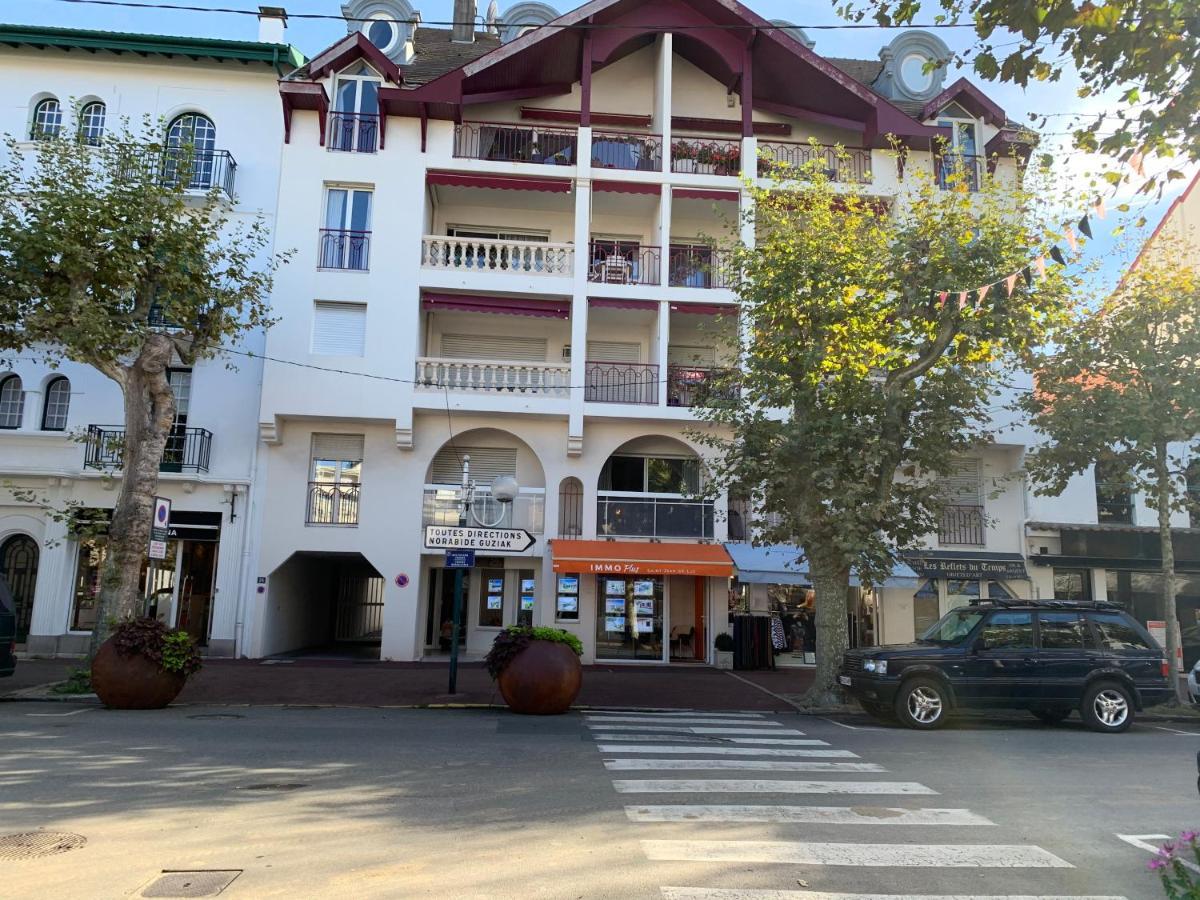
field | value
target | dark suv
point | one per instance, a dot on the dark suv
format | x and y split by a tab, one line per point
1049	658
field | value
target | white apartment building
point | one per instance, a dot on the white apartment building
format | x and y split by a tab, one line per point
56	424
505	251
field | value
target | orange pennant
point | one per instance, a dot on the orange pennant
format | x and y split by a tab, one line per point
1136	162
1069	234
982	293
1040	265
942	295
1010	283
962	299
1100	208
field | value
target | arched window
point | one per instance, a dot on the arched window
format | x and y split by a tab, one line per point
47	120
91	123
57	404
570	507
12	402
196	133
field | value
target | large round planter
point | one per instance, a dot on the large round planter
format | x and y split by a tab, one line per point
132	682
542	680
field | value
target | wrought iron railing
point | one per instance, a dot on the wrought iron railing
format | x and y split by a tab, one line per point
693	385
353	132
344	249
649	515
511	142
194	170
963	525
186	450
706	156
493	254
620	382
960	170
441	506
700	267
622	150
332	503
847	164
489	376
624	262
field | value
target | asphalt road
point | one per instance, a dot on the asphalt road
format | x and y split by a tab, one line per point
365	803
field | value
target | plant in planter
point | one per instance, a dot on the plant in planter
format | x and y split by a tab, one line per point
723	644
144	665
683	156
537	669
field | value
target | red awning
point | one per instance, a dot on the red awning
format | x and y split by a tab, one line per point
500	182
626	187
505	306
615	303
702	194
706	309
618	558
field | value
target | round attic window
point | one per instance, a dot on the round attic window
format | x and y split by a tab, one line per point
912	71
382	34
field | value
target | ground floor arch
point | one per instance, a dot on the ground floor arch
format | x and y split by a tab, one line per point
19	558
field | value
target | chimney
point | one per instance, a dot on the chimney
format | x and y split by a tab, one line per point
272	22
463	30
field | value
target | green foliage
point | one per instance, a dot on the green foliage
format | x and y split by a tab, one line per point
723	642
512	640
173	651
79	681
1150	49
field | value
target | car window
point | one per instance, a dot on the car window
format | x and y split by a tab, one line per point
1008	631
1061	630
1117	634
952	627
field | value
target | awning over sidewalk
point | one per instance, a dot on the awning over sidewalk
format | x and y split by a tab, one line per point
781	564
639	558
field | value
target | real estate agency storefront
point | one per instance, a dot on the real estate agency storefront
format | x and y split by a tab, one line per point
641	602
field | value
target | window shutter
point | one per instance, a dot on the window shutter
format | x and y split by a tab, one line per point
486	464
964	485
614	351
339	329
342	447
691	356
494	347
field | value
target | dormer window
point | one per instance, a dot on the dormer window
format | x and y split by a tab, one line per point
354	121
960	164
383	33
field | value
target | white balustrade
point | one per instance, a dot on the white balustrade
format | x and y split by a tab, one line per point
494	377
459	254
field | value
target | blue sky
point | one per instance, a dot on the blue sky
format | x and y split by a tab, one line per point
310	36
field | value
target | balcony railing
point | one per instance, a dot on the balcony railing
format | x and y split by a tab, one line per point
653	515
963	525
510	142
691	385
623	262
960	170
1114	504
851	164
528	510
332	503
699	267
196	170
343	249
186	450
493	377
620	382
618	150
706	156
353	132
487	255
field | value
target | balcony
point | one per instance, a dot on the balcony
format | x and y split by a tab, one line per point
960	170
962	525
699	267
343	249
332	503
199	170
849	165
623	262
706	156
620	382
186	450
691	385
456	254
622	514
441	507
493	377
631	152
511	142
1114	503
353	132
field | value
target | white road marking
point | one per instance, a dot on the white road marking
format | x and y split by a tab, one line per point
73	712
706	730
808	815
782	764
691	729
1177	731
688	893
706	740
840	724
754	786
682	712
705	748
1141	841
691	720
771	740
745	765
955	856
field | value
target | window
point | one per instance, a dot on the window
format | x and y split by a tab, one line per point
494	347
952	627
88	569
1114	493
1061	630
1073	585
487	464
191	136
382	33
12	402
566	601
960	592
1116	633
56	405
1008	631
526	597
961	492
651	474
339	329
345	239
925	607
91	123
47	120
960	163
354	120
491	599
1193	493
336	475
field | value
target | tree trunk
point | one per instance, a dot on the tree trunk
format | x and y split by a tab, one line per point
1163	483
831	582
149	416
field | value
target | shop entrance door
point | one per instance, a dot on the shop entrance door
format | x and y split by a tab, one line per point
629	619
440	618
197	573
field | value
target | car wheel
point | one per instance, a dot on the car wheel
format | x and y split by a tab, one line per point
880	711
922	703
1107	706
1051	716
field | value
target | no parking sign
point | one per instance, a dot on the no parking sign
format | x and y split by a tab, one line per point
160	528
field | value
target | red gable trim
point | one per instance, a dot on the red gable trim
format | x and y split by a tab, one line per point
625	187
1175	204
971	98
705	309
302	95
505	306
352	47
572	116
703	194
500	182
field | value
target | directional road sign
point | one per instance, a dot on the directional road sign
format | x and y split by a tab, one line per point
461	537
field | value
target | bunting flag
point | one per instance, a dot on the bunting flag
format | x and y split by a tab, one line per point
962	299
1010	283
1137	162
1028	273
1057	255
1100	208
1040	265
1069	234
982	293
942	295
1085	227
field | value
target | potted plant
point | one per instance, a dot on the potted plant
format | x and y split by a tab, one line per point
705	163
683	157
724	650
144	665
537	669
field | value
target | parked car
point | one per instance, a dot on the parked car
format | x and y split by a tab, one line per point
1047	657
1194	682
8	630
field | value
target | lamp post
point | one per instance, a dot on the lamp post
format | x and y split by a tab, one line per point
504	490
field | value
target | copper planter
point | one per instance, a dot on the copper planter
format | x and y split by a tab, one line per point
542	680
132	682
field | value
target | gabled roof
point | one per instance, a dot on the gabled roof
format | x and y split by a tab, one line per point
970	98
352	47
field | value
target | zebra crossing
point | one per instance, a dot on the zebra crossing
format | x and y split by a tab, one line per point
699	758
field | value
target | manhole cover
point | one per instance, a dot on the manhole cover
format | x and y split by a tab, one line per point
32	844
201	883
282	786
217	716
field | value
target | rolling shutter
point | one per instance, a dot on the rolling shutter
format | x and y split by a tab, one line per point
702	357
339	329
963	486
494	347
614	351
342	447
486	464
